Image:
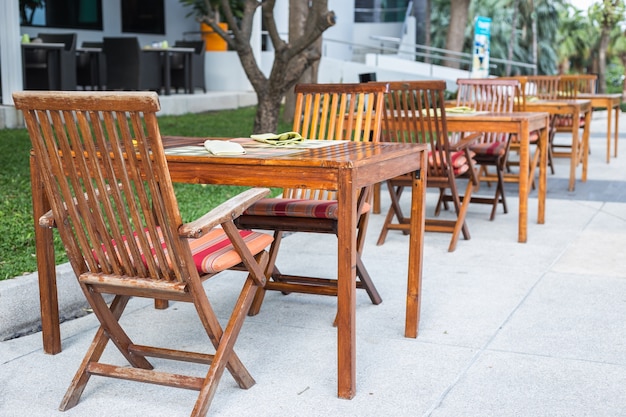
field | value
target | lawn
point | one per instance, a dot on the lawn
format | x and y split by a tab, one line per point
17	246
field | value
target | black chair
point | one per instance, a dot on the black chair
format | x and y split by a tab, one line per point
128	67
197	66
50	68
91	66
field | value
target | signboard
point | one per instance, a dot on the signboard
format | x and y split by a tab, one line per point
480	58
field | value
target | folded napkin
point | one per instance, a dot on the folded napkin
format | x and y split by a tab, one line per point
223	147
280	139
460	109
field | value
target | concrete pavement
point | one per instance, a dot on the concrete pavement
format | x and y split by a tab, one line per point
506	329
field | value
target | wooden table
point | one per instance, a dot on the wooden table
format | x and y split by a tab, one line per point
520	123
345	166
612	103
580	149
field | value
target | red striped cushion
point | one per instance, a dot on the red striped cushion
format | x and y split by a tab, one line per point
566	121
213	252
458	159
533	137
287	207
496	148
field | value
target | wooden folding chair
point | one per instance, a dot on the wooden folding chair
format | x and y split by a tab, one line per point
492	149
569	86
105	175
520	105
325	112
415	113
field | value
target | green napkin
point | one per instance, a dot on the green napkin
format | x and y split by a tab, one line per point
460	109
280	139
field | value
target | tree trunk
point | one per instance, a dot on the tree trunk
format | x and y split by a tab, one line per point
291	59
298	13
512	38
604	45
459	10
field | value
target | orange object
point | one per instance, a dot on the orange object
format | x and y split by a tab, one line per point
213	41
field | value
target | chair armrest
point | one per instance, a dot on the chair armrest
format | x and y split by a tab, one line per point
465	141
47	220
227	211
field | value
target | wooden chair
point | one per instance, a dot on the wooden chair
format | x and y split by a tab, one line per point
492	149
113	203
415	113
326	112
520	105
569	87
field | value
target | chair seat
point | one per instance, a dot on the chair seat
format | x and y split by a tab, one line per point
214	252
286	207
533	137
460	164
568	122
496	148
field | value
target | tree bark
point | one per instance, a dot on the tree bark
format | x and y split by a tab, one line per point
455	38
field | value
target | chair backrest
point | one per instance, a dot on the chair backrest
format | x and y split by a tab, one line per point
69	39
415	113
489	94
544	87
573	84
199	46
122	62
105	174
336	112
520	91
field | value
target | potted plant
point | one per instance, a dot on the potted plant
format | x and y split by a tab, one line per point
210	9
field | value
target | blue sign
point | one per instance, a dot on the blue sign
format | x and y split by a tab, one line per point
480	58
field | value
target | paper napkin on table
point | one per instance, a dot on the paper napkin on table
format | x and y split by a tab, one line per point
223	147
280	139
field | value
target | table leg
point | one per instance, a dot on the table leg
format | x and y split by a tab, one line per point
416	245
167	81
574	155
44	250
617	110
608	134
585	144
543	172
524	169
346	291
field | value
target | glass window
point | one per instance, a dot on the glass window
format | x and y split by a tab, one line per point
70	14
380	10
143	16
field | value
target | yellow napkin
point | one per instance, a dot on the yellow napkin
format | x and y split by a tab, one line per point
280	139
460	109
223	147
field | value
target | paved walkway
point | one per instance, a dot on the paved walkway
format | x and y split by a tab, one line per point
507	329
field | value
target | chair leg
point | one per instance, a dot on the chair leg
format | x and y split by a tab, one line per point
395	210
100	340
271	272
461	225
224	350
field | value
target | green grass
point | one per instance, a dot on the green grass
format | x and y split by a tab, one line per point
17	246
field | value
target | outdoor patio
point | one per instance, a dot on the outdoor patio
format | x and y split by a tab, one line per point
506	329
